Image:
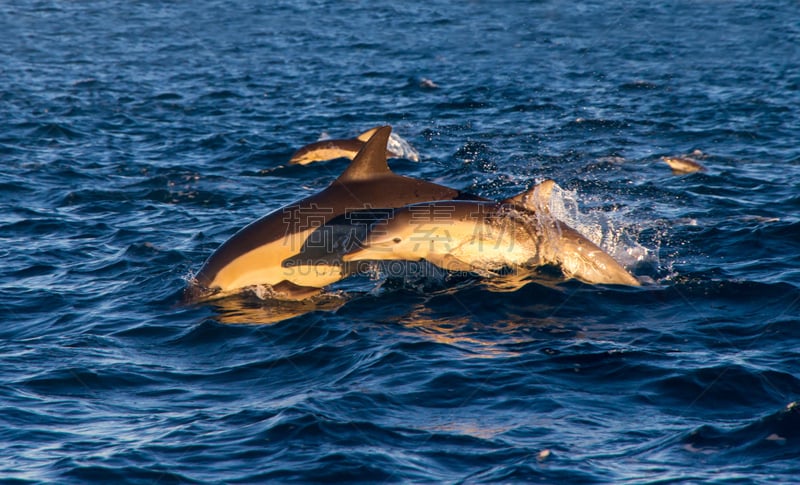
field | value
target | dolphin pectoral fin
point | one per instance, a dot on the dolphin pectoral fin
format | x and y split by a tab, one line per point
287	290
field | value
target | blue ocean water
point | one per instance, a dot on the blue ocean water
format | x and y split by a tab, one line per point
135	137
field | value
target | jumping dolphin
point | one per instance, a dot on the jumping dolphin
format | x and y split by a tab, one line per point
483	236
346	148
254	255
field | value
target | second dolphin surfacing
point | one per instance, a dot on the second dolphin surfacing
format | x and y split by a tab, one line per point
349	147
481	236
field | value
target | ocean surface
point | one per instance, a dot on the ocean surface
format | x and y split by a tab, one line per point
136	137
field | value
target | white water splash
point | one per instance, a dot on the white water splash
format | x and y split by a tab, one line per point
611	231
402	148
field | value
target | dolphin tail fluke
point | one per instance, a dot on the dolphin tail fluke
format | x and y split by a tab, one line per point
371	159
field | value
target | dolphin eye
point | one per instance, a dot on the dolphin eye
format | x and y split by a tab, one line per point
397	240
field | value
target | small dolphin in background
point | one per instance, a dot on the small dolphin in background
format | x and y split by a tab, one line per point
349	147
483	236
684	164
254	256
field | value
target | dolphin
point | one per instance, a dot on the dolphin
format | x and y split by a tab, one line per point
683	165
486	236
344	148
254	256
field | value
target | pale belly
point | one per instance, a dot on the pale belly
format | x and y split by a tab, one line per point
486	252
263	266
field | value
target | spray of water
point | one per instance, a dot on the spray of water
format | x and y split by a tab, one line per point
612	231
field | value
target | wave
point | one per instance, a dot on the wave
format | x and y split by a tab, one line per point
772	437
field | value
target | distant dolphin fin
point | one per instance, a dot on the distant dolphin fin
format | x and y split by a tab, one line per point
367	134
371	159
536	199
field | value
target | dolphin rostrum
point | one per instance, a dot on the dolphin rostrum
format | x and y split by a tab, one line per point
348	148
484	236
254	255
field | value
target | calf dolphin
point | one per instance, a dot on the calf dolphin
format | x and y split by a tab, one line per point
347	148
483	236
254	255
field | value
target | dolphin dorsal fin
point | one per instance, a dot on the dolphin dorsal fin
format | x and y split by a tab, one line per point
367	134
371	159
536	199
